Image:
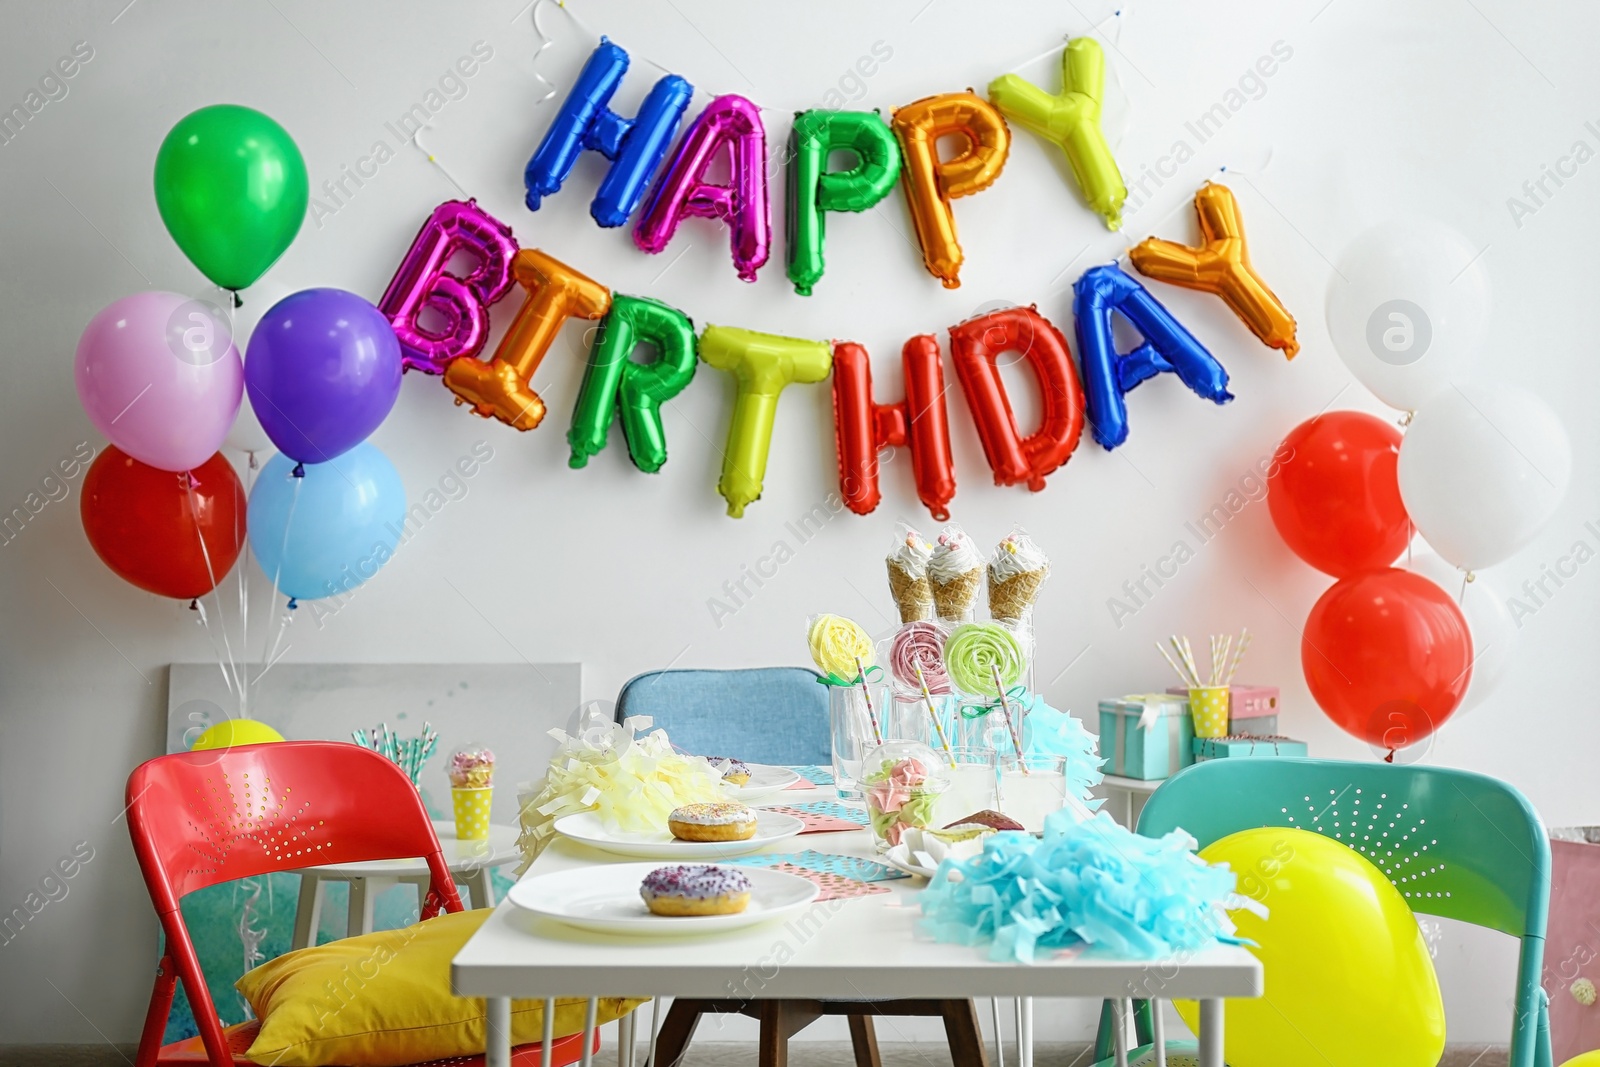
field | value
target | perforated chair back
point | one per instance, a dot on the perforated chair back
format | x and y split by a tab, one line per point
762	715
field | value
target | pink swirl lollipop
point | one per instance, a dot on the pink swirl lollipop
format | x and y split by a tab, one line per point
919	644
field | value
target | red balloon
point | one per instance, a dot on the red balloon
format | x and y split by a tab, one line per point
148	525
1335	497
974	347
1387	655
862	428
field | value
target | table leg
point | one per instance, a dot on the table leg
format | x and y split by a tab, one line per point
655	1028
625	1038
481	886
549	1031
1210	1033
308	912
1158	1035
1119	1031
999	1042
497	1032
590	1013
1025	1035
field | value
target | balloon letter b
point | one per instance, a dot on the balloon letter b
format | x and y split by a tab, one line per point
1221	265
931	185
635	146
613	382
501	388
1071	120
734	122
762	364
423	284
863	429
812	190
974	347
1167	347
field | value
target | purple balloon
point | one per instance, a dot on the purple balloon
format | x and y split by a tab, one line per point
158	374
323	371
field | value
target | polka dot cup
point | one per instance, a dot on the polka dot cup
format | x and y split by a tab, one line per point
1209	706
472	813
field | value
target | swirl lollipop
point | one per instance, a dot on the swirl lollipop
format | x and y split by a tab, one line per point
919	645
839	647
977	650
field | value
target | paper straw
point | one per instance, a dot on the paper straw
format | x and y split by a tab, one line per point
1188	658
1238	655
938	727
1182	677
1011	720
866	695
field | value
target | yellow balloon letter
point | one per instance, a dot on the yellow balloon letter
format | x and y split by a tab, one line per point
1071	120
762	364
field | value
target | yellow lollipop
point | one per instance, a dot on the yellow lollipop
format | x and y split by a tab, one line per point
839	647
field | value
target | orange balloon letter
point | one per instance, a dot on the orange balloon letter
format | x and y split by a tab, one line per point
1222	266
502	388
931	185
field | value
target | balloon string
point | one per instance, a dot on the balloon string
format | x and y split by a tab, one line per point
205	624
211	575
273	656
244	594
277	572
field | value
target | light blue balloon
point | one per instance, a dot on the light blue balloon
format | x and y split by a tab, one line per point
328	532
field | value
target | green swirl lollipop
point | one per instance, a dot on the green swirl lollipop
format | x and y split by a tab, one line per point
975	649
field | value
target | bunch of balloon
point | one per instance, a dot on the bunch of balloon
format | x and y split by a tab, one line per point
1387	653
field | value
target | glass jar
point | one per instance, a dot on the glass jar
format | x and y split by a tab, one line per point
902	781
851	731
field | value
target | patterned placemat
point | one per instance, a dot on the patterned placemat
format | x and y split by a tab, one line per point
817	822
833	886
812	776
856	867
833	808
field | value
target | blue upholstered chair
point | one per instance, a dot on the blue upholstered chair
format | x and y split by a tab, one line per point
773	715
762	715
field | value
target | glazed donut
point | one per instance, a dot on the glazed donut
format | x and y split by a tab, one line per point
697	890
716	821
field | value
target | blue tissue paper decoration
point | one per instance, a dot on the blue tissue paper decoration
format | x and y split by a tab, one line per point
1049	732
1085	884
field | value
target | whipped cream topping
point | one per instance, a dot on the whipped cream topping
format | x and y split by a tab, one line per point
953	556
1017	554
911	553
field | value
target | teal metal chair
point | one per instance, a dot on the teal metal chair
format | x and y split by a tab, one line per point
1456	844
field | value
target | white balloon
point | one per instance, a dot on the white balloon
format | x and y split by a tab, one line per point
1408	309
247	434
1494	630
1482	469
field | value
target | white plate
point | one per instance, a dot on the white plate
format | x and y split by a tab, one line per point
586	827
606	898
765	780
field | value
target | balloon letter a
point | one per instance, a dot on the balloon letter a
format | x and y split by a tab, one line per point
931	185
1167	347
1071	120
1221	265
613	382
502	388
812	190
762	364
423	284
863	429
634	146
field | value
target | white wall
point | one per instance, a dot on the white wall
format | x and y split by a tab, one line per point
1435	106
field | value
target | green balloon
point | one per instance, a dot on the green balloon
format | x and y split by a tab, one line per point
232	189
636	391
812	190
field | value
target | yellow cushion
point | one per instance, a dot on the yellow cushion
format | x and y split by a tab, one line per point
383	999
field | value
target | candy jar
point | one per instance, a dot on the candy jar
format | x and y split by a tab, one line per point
902	781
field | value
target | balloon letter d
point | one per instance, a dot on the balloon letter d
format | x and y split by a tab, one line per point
762	364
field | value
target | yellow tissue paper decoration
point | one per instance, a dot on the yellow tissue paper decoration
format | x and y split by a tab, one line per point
633	783
1072	120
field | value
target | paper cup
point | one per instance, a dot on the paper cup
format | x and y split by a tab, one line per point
472	813
1208	704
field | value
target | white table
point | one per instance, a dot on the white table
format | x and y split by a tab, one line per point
470	861
861	947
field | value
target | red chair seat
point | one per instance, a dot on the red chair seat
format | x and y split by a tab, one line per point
565	1050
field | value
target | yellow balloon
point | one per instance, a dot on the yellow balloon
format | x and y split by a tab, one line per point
231	732
1348	979
1584	1059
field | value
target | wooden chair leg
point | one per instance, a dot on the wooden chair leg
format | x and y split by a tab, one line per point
962	1032
773	1045
673	1040
864	1039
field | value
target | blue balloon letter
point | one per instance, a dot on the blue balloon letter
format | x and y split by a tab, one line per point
635	146
1167	346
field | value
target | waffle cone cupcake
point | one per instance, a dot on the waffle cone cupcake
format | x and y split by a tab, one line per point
1016	573
955	574
908	576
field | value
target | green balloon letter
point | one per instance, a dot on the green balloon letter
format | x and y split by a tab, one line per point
1071	120
636	391
812	190
762	364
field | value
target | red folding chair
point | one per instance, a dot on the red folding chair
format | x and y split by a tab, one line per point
199	818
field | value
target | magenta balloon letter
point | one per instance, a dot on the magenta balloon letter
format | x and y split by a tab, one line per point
729	121
460	305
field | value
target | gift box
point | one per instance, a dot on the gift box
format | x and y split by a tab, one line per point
1245	746
1252	709
1147	736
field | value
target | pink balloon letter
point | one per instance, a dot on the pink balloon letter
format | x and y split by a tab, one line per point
742	204
461	303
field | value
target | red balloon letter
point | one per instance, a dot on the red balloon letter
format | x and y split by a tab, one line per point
975	345
864	428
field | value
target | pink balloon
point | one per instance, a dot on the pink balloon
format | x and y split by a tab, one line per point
726	121
423	283
160	376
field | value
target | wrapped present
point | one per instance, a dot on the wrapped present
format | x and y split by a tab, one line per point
1146	735
1245	746
1252	709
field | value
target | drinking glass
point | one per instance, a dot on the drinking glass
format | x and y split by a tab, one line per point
852	732
1032	787
972	785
